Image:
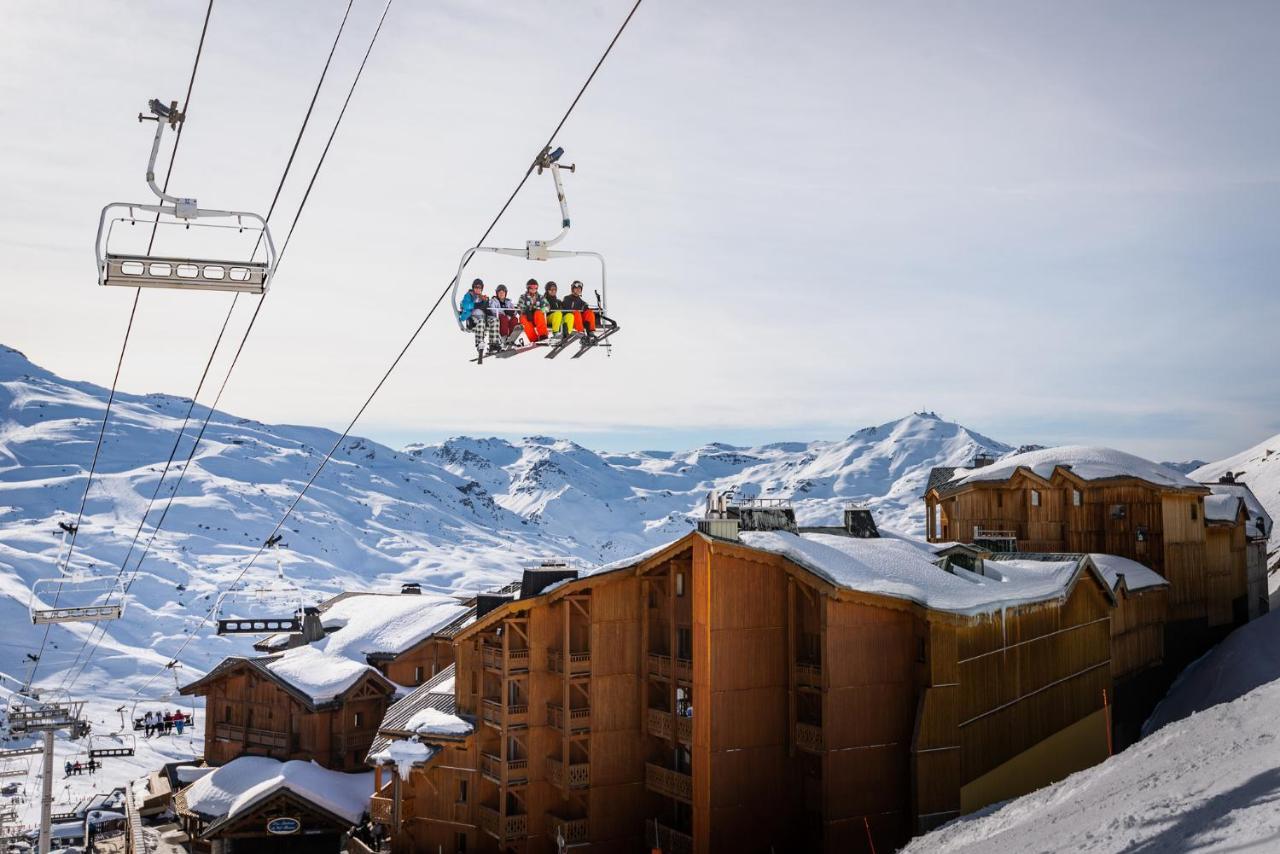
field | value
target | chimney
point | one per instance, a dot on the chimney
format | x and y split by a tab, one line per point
859	522
1229	477
982	459
411	588
312	628
534	581
486	602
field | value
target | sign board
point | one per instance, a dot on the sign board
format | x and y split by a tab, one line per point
283	826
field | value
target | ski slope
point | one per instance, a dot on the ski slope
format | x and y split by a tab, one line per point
1259	468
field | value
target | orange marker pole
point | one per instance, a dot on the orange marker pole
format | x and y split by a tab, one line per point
1106	707
870	841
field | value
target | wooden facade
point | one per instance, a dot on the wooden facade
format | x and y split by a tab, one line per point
1160	527
715	697
251	711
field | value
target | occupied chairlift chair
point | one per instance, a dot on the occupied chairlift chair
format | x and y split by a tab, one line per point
134	269
264	610
540	250
138	721
95	598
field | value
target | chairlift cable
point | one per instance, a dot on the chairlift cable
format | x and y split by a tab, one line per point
213	407
412	338
133	311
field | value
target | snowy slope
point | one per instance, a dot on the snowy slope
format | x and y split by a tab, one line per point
1210	782
619	503
1259	467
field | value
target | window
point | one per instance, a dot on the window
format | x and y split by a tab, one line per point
1035	498
460	843
684	644
679	583
1195	513
999	499
1119	511
462	791
513	694
1077	499
417	675
922	651
358	719
226	715
1142	534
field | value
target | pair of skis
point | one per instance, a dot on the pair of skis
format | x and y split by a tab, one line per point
555	349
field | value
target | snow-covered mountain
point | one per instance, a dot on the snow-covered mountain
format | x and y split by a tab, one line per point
622	502
1259	467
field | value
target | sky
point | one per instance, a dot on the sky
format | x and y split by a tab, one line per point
1050	222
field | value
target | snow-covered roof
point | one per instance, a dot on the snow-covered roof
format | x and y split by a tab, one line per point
237	786
1220	507
404	754
377	623
1136	576
429	722
1259	525
900	569
1086	462
191	773
320	676
429	709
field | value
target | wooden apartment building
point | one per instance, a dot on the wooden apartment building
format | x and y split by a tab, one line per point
757	691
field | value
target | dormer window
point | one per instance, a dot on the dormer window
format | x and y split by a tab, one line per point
1035	498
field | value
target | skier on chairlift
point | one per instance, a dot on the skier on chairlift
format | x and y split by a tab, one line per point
559	321
533	312
508	318
475	312
584	319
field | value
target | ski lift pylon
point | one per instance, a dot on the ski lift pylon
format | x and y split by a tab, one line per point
135	269
540	250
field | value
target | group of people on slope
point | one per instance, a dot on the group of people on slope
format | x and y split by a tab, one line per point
163	723
76	768
497	322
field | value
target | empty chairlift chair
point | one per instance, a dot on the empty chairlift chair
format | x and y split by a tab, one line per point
114	744
541	250
264	609
124	255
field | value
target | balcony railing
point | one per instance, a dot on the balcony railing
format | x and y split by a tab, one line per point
516	659
380	809
809	674
660	725
579	776
579	662
513	714
512	772
572	830
667	782
502	827
809	737
665	666
671	841
579	720
230	732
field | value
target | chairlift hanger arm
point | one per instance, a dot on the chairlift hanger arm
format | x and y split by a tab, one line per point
183	208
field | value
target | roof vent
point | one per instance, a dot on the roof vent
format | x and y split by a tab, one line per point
751	514
1229	477
412	588
486	602
859	522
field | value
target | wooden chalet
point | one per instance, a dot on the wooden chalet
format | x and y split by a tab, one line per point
760	690
256	805
1235	523
287	707
1095	500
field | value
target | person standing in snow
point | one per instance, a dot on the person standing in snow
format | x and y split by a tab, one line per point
478	317
533	312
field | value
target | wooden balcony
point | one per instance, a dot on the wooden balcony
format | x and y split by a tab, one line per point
251	736
380	809
667	782
664	667
515	661
502	827
579	776
579	662
228	732
579	720
672	841
572	830
809	737
499	715
512	772
808	674
660	726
